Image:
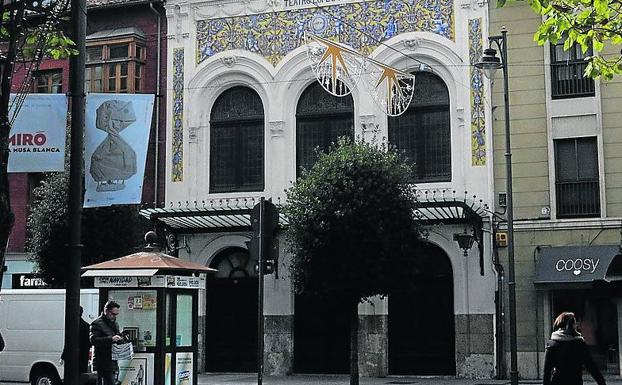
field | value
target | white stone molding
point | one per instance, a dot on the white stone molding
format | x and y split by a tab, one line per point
411	44
277	128
229	61
460	116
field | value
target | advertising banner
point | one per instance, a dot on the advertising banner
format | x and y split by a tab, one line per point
37	137
137	371
116	139
170	281
183	368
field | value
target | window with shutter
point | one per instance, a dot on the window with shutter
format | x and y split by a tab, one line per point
237	142
321	119
577	184
422	134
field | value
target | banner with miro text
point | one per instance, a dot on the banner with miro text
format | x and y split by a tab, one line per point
37	137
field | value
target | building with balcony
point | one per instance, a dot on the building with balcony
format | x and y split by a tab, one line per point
566	139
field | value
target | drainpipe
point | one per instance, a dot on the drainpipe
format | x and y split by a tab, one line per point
157	104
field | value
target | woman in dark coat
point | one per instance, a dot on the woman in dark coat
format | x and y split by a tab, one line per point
567	354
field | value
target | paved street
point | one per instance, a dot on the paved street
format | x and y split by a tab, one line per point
247	379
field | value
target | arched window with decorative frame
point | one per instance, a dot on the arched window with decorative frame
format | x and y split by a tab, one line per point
423	133
321	119
237	142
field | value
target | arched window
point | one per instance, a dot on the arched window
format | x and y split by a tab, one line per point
237	142
321	118
423	132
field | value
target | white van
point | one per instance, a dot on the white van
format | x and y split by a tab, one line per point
32	322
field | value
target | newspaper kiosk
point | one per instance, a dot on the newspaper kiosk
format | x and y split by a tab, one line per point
158	295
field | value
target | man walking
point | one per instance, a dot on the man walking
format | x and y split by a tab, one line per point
105	332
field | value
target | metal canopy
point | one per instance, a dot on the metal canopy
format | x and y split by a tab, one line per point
454	210
216	215
220	215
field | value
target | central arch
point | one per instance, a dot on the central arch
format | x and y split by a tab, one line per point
421	330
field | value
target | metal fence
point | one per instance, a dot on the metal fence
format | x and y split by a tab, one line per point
578	199
568	80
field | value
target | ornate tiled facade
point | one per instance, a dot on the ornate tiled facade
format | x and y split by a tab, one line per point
177	141
478	118
361	25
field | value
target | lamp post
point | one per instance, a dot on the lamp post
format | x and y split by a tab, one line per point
489	64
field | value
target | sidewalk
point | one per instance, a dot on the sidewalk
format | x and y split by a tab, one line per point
250	378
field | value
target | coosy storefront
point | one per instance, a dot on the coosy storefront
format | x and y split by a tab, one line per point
586	281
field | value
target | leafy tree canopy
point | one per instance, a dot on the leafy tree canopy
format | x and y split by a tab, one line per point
107	232
589	23
351	218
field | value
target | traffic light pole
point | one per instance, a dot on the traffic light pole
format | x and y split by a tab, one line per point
260	258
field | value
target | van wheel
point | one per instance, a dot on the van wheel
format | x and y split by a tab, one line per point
45	377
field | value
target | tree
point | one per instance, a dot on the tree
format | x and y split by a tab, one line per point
589	23
113	231
351	217
29	31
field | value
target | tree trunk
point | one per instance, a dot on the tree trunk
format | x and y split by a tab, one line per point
354	342
6	215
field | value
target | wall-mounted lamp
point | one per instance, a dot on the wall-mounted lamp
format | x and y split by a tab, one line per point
465	241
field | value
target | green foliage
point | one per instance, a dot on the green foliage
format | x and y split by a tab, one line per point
107	233
351	218
589	23
49	38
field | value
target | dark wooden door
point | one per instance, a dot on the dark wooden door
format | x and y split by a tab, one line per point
421	319
231	325
321	335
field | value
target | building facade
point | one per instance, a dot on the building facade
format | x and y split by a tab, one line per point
566	141
245	113
124	45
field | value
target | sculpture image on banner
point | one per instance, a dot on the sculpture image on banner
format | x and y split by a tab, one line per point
117	134
37	137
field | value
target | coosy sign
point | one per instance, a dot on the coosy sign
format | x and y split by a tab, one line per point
578	265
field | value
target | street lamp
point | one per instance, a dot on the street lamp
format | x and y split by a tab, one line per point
489	64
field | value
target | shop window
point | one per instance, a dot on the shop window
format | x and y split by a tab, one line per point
423	134
321	119
567	68
577	178
115	65
48	82
138	316
237	142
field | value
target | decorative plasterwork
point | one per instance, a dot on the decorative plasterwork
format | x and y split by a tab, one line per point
177	143
368	124
478	116
411	44
180	20
277	128
360	25
229	61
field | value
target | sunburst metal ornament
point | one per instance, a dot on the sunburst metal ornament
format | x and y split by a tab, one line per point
335	66
390	88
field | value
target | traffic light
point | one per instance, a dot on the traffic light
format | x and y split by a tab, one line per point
264	222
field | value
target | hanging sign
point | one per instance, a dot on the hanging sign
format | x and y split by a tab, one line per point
117	135
170	281
37	137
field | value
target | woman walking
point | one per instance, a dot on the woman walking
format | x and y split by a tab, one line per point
567	354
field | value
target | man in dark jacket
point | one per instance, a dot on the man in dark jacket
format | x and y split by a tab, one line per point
105	332
567	354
